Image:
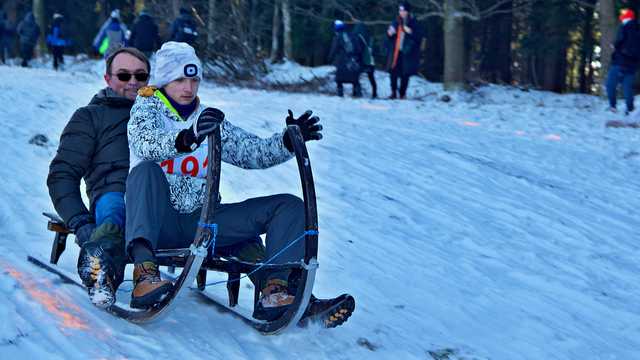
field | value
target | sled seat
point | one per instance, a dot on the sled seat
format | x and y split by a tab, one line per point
58	226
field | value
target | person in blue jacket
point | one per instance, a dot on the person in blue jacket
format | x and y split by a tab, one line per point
56	40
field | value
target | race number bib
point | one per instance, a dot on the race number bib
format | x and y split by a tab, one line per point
193	164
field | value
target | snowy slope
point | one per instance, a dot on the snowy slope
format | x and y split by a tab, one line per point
500	225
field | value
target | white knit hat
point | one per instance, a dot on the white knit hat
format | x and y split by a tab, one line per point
173	61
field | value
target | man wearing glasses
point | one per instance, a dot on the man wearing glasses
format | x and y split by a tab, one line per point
94	147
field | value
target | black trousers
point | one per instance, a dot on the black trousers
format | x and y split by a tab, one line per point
370	71
397	72
26	52
4	49
357	90
57	52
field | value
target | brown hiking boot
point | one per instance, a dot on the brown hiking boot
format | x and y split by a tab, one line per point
149	289
274	302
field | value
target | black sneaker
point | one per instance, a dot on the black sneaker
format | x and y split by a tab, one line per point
330	312
101	264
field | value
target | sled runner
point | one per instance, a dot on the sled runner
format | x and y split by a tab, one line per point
196	260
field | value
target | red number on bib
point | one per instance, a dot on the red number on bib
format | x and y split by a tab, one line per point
169	164
194	168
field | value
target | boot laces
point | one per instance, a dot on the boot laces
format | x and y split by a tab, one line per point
275	295
148	272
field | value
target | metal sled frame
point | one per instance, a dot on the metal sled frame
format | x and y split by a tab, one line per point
195	262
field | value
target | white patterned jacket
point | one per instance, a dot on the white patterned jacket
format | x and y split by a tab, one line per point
152	132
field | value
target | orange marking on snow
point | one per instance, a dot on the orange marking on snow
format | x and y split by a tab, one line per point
471	123
53	304
553	137
374	107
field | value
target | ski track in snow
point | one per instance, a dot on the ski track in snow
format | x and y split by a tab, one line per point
500	225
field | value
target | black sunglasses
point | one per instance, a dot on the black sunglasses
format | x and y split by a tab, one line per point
127	76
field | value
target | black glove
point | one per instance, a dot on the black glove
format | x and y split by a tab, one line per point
309	128
83	226
189	139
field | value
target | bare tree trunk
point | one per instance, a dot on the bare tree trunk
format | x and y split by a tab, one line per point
275	31
175	5
254	22
586	52
211	24
286	21
38	12
607	37
453	47
554	74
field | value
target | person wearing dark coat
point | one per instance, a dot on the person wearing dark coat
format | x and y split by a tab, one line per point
28	32
624	60
94	147
6	33
403	49
144	34
367	61
184	28
345	54
56	40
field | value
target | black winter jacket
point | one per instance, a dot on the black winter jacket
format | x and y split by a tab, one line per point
410	51
93	146
345	54
144	34
627	46
28	30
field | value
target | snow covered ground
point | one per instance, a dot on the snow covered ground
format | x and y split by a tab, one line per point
500	225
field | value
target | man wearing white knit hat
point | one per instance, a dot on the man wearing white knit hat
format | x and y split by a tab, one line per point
167	141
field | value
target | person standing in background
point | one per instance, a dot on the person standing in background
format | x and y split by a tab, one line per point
624	60
29	32
5	37
345	54
112	35
184	28
7	40
403	49
361	33
144	34
56	40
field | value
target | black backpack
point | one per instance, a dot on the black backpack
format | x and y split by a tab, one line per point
352	63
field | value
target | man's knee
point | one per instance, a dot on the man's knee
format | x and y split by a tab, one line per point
291	202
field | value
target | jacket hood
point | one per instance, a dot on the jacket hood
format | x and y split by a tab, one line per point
110	98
